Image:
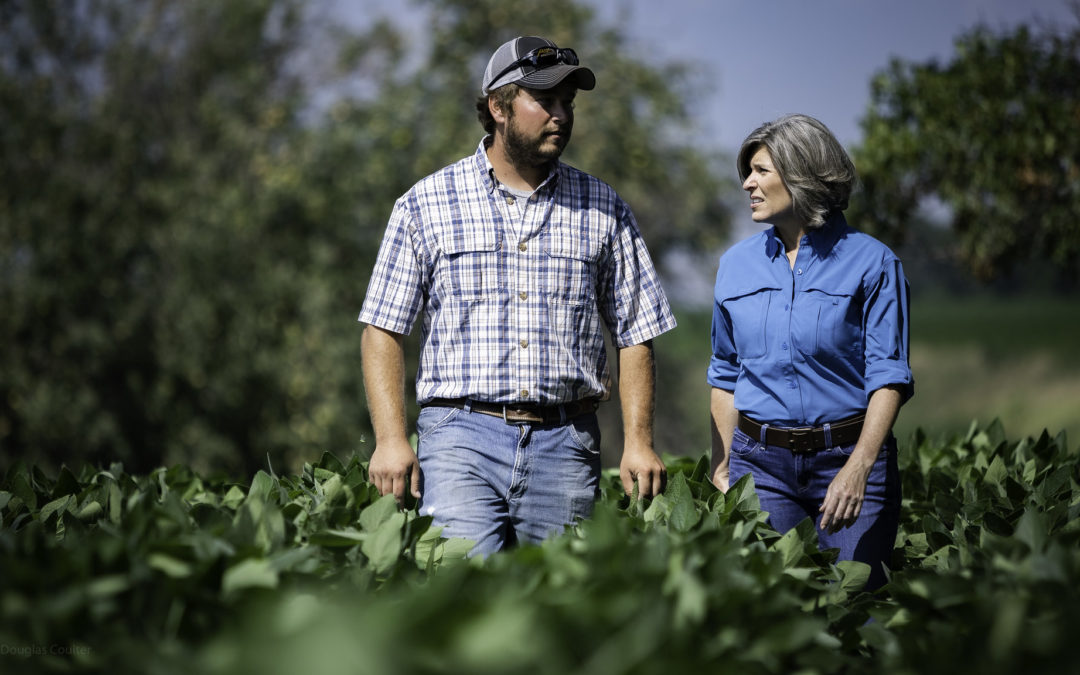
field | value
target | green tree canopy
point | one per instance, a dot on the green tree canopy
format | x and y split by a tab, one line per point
992	134
186	237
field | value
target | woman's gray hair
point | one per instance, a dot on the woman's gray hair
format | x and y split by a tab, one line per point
813	165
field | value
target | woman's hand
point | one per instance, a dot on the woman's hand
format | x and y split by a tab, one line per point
844	498
720	478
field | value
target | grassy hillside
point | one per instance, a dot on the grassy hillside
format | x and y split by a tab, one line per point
981	358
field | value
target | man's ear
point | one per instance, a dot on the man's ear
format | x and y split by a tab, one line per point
497	113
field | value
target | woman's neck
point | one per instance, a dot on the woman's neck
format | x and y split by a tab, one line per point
791	233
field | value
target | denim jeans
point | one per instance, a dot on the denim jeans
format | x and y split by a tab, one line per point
792	487
497	484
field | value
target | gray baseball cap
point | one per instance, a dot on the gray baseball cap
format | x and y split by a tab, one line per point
536	63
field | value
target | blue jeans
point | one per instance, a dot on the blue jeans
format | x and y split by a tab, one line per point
497	484
792	487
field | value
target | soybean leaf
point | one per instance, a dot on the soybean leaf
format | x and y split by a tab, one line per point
170	566
372	517
383	548
684	513
855	575
249	573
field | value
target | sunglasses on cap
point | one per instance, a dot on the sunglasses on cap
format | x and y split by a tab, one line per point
540	58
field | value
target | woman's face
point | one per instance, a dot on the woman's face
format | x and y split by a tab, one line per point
770	201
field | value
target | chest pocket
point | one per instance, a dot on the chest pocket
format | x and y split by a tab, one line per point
470	266
837	321
748	311
570	270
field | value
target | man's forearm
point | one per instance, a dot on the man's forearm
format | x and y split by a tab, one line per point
640	466
383	362
637	386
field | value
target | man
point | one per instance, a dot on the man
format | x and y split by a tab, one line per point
513	261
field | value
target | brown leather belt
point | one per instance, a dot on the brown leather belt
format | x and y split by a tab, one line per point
805	439
522	413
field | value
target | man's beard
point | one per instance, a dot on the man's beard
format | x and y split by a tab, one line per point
527	152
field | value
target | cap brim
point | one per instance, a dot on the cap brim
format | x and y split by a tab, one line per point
547	78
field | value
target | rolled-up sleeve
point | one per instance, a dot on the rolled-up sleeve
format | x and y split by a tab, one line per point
887	329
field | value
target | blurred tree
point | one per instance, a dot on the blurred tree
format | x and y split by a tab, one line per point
187	226
992	134
168	237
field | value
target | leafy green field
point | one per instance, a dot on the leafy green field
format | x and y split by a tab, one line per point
173	572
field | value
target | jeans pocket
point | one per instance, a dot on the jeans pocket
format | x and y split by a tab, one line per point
433	418
742	445
585	432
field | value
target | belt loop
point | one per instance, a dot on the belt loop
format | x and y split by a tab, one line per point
764	428
505	421
828	435
562	414
468	405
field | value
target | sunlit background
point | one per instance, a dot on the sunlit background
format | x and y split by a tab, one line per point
192	194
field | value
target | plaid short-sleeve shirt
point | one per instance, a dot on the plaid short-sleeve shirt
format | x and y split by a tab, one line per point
513	301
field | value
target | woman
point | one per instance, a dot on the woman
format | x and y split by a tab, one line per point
810	349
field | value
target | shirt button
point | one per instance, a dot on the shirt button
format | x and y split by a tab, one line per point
800	270
524	393
524	344
522	246
785	345
523	295
509	200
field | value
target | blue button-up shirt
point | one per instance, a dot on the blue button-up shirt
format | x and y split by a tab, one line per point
514	301
808	345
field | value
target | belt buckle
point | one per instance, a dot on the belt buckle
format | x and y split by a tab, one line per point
802	439
519	416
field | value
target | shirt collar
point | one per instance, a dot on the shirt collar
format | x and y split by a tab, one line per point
487	171
821	239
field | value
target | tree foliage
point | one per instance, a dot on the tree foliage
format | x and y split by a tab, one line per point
992	134
187	226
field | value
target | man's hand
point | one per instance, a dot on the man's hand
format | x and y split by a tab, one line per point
641	465
393	467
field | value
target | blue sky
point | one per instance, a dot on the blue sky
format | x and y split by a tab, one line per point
765	59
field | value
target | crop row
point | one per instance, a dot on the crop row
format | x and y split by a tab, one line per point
173	572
